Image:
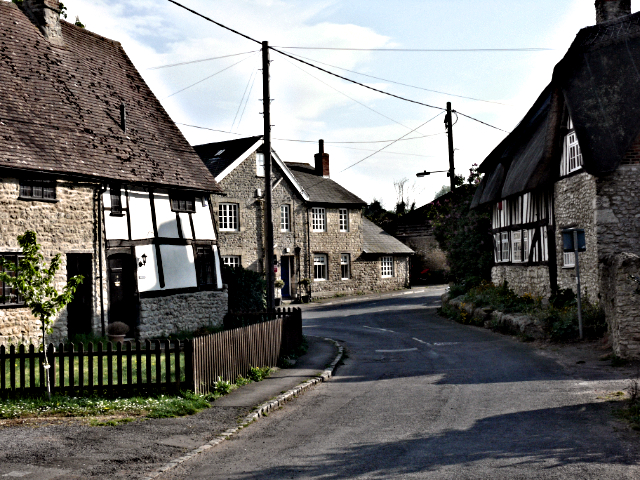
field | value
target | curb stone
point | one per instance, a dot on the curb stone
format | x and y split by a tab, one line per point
259	411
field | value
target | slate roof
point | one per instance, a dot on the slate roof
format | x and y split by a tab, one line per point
60	111
219	155
376	241
598	83
323	191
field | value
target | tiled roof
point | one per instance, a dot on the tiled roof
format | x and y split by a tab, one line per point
322	190
60	111
376	240
219	155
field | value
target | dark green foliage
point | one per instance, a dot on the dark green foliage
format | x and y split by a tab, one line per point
87	338
19	2
247	289
501	298
563	298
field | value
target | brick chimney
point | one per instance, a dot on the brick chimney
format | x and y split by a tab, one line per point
607	10
46	15
322	162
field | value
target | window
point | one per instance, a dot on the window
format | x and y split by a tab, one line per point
319	267
345	267
260	164
387	267
232	261
505	246
572	155
205	266
319	223
38	189
285	218
344	219
228	215
183	203
569	259
116	201
9	295
525	245
516	242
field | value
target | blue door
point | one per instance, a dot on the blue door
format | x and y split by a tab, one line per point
285	274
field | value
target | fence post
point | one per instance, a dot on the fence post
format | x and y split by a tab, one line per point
110	367
90	366
61	367
188	364
81	367
3	379
51	372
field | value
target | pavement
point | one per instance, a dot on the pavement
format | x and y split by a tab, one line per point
57	448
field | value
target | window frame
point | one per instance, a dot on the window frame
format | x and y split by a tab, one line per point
386	265
320	260
115	192
33	183
229	218
202	260
233	261
568	260
345	264
260	165
285	214
318	219
343	215
3	288
182	203
516	246
572	159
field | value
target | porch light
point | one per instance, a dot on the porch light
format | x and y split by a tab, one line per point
143	260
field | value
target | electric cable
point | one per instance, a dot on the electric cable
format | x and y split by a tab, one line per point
247	101
201	60
445	50
242	99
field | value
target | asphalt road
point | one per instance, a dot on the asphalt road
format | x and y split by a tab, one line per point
422	397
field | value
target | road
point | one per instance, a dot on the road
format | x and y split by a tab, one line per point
422	397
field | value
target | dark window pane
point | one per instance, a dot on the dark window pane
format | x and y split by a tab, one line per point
116	200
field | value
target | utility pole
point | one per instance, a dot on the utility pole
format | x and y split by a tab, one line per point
266	100
449	124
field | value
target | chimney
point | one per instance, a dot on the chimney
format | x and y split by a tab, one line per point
46	15
322	162
607	10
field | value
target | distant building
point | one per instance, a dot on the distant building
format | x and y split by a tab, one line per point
319	231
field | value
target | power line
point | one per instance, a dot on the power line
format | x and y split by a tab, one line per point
386	146
533	49
247	101
479	121
201	60
242	99
403	84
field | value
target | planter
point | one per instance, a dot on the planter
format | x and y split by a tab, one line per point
116	338
278	302
304	298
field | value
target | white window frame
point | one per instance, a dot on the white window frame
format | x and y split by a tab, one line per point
320	267
232	261
318	219
386	266
345	266
504	236
259	164
285	218
568	260
525	245
344	219
516	246
228	217
572	160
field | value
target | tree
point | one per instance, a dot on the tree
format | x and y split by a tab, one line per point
33	280
443	191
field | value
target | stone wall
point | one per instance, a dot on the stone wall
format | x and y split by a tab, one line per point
162	316
575	204
522	279
621	299
67	225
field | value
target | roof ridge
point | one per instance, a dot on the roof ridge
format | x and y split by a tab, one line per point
89	32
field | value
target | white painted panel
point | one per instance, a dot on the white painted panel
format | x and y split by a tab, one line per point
106	199
147	274
178	266
165	218
202	222
115	227
140	212
218	269
186	225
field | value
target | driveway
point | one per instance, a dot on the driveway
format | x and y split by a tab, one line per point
422	397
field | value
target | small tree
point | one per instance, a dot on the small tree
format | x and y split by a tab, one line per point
33	281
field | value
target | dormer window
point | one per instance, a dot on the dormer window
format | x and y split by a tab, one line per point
572	154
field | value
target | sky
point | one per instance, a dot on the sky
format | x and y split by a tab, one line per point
308	105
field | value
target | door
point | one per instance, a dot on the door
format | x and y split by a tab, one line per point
80	311
122	294
285	274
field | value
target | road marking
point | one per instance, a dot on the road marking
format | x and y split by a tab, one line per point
398	351
445	344
409	293
418	340
381	329
310	326
16	474
330	303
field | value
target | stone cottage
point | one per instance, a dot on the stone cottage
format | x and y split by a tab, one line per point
93	164
319	231
574	161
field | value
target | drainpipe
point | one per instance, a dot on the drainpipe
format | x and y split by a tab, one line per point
309	252
99	229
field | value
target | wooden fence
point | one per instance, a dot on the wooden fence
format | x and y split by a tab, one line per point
129	367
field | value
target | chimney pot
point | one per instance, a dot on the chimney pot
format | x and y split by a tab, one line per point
46	15
322	162
608	10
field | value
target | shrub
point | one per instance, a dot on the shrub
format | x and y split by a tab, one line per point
117	328
247	289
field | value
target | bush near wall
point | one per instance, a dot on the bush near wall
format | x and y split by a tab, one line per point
247	289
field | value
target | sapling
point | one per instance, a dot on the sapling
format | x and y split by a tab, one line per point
33	280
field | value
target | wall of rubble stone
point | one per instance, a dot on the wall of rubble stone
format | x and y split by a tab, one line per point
621	299
533	280
67	225
162	316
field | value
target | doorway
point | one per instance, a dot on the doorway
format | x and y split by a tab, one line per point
80	310
285	274
122	292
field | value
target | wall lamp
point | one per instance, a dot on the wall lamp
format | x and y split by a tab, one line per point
143	260
425	173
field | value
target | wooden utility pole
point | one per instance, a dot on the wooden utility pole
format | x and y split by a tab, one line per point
449	124
266	100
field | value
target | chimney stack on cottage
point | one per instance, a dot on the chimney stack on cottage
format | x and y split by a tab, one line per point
46	15
607	10
322	162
